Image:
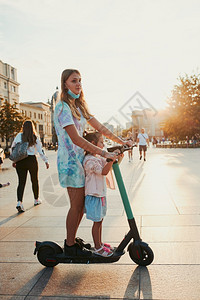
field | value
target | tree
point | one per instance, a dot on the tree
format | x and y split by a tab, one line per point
10	121
184	105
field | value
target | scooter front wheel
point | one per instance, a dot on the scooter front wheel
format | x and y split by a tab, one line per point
47	256
141	254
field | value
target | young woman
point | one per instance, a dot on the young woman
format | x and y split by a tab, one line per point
70	117
29	163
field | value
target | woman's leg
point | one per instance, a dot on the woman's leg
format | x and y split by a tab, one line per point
22	175
96	234
33	169
75	213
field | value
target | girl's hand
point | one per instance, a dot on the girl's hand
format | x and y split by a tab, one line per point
47	165
120	157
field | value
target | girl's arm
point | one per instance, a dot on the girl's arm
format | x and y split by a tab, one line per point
83	143
109	164
106	132
107	168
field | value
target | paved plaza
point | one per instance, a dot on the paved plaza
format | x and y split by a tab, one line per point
164	195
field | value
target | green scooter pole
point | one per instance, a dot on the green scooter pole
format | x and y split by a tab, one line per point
122	190
131	220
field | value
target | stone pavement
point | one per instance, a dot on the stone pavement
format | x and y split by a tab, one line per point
164	195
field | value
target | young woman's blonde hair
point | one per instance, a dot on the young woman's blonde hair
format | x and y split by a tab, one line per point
29	133
80	102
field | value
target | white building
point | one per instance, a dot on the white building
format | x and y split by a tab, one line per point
8	84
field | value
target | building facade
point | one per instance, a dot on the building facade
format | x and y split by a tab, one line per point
40	114
148	120
8	84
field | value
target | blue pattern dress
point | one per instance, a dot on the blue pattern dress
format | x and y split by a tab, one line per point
69	156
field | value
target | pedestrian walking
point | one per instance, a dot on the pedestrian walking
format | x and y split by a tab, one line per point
130	152
96	168
29	163
143	141
70	116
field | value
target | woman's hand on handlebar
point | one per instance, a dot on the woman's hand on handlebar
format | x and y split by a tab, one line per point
128	143
111	155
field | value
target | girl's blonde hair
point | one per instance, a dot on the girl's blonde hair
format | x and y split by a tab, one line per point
80	102
29	133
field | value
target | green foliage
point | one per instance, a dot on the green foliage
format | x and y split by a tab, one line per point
10	121
184	105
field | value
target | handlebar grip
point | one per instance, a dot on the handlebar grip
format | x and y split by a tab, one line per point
108	159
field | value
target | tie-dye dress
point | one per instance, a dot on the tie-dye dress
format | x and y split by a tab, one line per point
69	156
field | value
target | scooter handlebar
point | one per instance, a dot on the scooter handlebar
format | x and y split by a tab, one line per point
121	148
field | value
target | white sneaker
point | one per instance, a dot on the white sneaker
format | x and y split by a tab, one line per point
20	207
37	202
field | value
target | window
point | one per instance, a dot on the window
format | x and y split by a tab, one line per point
5	85
13	88
40	128
12	73
34	115
41	116
38	116
30	114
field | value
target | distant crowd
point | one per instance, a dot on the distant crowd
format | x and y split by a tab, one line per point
188	141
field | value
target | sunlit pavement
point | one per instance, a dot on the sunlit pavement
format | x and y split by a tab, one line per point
164	195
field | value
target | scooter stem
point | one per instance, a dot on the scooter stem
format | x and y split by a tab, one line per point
122	190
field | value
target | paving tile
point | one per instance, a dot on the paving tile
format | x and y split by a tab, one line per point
171	234
49	221
189	210
4	231
106	281
28	234
15	220
17	252
24	274
170	282
173	220
176	253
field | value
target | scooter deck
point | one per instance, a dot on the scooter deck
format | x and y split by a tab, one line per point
50	252
94	258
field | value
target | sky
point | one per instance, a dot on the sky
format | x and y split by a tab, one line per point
121	48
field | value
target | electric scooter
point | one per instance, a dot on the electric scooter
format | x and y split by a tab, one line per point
50	253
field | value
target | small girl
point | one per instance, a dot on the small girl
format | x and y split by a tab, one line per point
96	168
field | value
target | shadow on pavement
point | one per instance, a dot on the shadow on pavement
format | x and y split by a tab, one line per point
30	285
14	216
134	291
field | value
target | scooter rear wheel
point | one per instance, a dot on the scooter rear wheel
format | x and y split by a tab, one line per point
145	257
47	256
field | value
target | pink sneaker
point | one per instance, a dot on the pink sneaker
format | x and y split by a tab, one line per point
103	251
